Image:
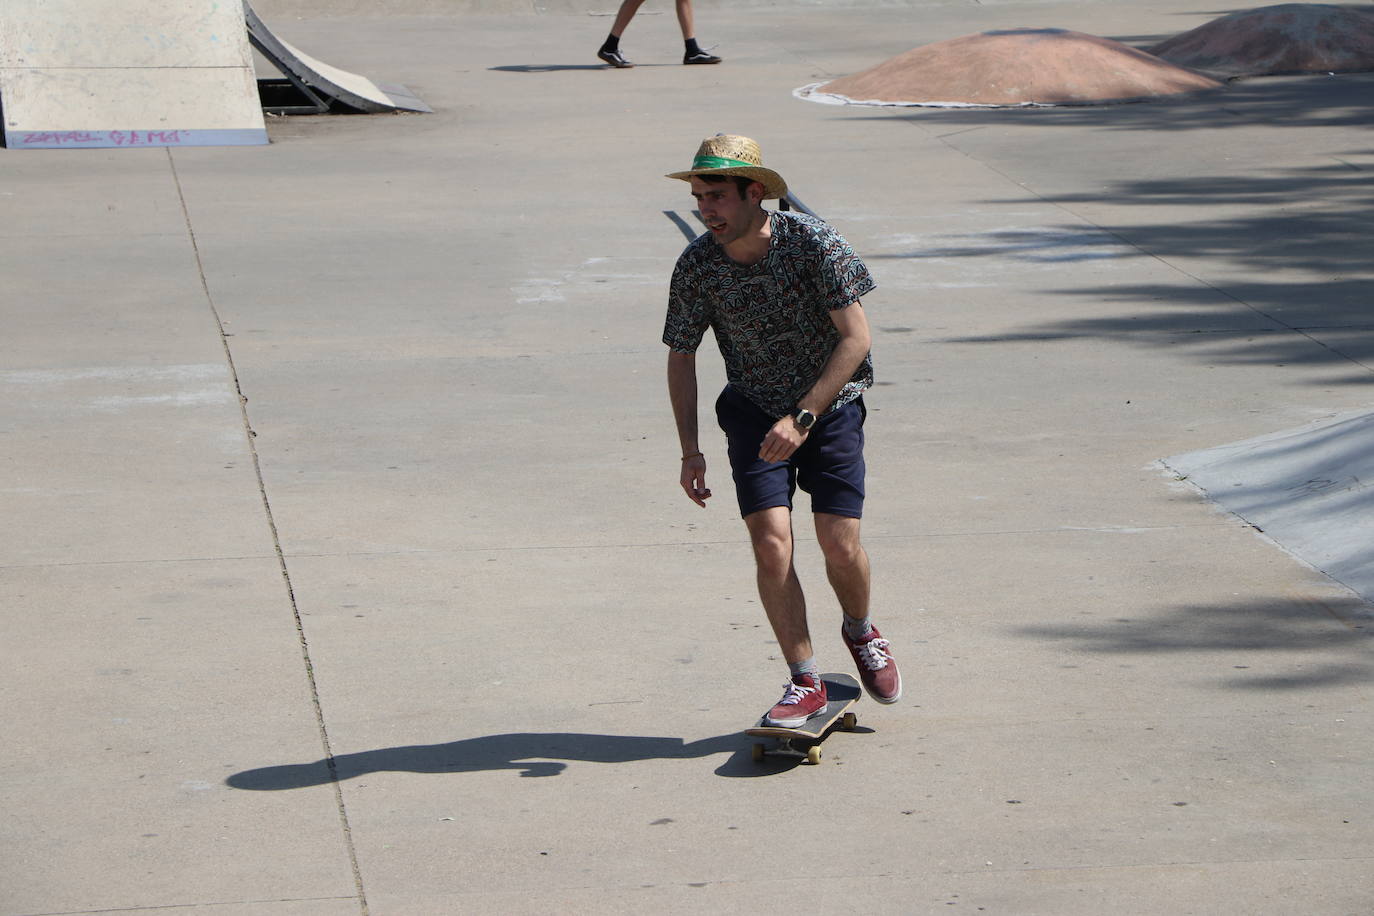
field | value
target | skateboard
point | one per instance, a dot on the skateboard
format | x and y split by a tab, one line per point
804	741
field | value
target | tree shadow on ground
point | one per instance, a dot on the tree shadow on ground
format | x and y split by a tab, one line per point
1296	259
533	754
1251	643
1273	265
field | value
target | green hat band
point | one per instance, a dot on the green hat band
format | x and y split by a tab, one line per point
719	162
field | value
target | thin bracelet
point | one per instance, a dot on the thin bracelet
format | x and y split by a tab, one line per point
693	455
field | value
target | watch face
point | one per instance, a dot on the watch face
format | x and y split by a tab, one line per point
805	418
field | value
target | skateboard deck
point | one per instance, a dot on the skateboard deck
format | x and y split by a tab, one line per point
804	741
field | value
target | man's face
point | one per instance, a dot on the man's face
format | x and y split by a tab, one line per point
727	215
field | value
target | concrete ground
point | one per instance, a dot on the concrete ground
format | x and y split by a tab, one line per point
422	624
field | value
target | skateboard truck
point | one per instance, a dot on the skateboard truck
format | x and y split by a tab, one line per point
787	747
804	741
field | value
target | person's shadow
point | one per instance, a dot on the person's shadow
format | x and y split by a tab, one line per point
547	68
532	754
554	68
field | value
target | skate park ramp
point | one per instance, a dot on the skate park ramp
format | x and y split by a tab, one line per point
319	86
132	73
1311	490
1013	68
1288	38
123	73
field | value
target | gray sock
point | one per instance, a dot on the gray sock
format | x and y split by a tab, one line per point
805	666
857	629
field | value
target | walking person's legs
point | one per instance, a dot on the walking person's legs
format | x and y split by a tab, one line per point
692	52
610	48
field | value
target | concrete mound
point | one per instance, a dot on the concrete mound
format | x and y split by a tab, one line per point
1010	68
1270	40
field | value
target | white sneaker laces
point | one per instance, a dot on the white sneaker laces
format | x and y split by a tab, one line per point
794	694
874	654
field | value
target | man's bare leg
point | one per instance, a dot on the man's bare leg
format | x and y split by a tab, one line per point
846	562
684	19
780	590
624	15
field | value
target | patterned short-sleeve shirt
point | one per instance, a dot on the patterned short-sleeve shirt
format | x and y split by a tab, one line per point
772	318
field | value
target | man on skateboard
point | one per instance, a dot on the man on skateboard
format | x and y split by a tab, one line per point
781	292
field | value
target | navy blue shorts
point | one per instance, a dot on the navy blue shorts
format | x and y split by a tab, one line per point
829	465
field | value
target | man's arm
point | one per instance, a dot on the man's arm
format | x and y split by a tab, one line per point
682	391
855	341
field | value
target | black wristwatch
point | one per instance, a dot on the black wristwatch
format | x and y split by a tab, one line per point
804	418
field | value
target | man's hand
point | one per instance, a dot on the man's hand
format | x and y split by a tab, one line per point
694	479
782	440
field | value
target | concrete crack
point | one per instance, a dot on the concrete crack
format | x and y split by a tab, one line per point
250	435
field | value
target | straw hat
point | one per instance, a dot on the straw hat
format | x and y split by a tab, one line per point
727	154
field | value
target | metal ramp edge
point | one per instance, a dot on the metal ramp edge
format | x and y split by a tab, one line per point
321	84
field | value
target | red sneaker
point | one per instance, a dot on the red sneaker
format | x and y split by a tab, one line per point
877	667
804	698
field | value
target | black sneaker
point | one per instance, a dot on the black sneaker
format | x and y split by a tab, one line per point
614	58
700	57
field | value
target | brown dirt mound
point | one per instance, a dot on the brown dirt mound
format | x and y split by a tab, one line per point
1018	67
1287	38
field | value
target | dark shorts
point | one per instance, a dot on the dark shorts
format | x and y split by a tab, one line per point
829	465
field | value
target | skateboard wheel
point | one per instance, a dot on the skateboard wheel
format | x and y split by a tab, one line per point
758	753
813	754
848	721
